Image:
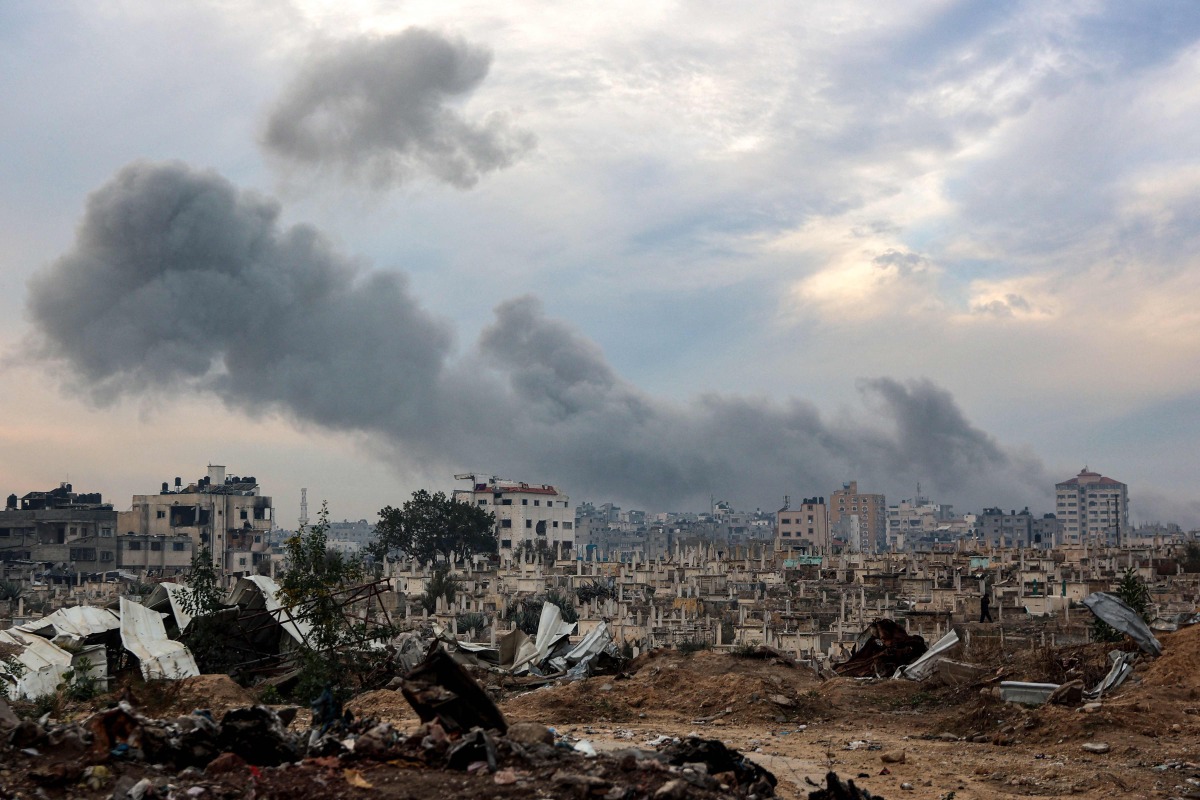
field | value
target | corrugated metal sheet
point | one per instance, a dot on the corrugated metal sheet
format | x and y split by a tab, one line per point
297	629
143	634
44	663
73	624
171	595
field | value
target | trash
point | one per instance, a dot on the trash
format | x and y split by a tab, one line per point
440	689
585	747
1096	747
717	759
1122	667
836	790
882	648
1068	694
355	778
1114	611
925	666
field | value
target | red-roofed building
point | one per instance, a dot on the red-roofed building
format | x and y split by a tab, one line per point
525	513
1092	509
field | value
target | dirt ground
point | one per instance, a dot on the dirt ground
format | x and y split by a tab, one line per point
893	738
959	742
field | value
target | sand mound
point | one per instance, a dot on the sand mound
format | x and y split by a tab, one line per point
385	705
677	686
217	693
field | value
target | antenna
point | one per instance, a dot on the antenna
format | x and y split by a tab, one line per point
304	508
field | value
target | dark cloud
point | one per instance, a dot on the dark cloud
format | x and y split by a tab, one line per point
1007	307
905	263
178	281
379	110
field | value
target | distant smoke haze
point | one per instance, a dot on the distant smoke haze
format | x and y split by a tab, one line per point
380	110
178	281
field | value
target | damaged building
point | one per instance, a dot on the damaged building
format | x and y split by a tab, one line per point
225	513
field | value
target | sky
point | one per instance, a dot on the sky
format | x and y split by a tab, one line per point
654	253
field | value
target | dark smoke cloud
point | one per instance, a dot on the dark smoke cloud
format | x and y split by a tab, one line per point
178	281
377	110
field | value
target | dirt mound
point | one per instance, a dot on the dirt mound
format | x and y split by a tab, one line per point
385	705
1176	667
672	685
217	693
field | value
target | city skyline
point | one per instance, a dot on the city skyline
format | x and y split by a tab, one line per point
648	253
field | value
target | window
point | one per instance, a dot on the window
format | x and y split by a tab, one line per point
788	534
244	515
537	502
524	501
506	523
483	502
242	562
541	528
106	555
528	523
179	546
785	521
83	554
133	546
556	523
506	543
568	525
156	546
106	532
506	501
160	514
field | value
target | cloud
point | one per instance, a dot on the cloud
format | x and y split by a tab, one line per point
178	281
381	110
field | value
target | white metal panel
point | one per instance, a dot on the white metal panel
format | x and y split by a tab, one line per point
143	634
44	664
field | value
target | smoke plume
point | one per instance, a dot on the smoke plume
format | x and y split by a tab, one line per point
179	281
377	111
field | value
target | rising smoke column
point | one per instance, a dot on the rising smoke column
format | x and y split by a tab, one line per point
179	282
378	110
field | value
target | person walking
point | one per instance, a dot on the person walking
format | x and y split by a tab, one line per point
985	606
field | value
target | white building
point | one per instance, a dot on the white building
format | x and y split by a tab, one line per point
224	513
525	513
1092	509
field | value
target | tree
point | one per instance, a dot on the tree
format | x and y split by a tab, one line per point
1134	592
207	635
433	525
441	584
313	588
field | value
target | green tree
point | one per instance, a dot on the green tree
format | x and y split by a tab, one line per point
433	525
441	584
313	587
1133	590
206	635
204	595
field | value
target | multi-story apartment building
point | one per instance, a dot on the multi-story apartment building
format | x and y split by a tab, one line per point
1093	509
867	533
995	528
224	513
916	520
526	514
60	527
805	527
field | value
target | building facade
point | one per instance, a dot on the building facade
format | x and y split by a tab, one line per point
868	532
805	527
72	532
1017	529
1093	509
527	515
224	513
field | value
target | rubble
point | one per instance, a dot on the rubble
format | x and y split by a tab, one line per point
882	649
